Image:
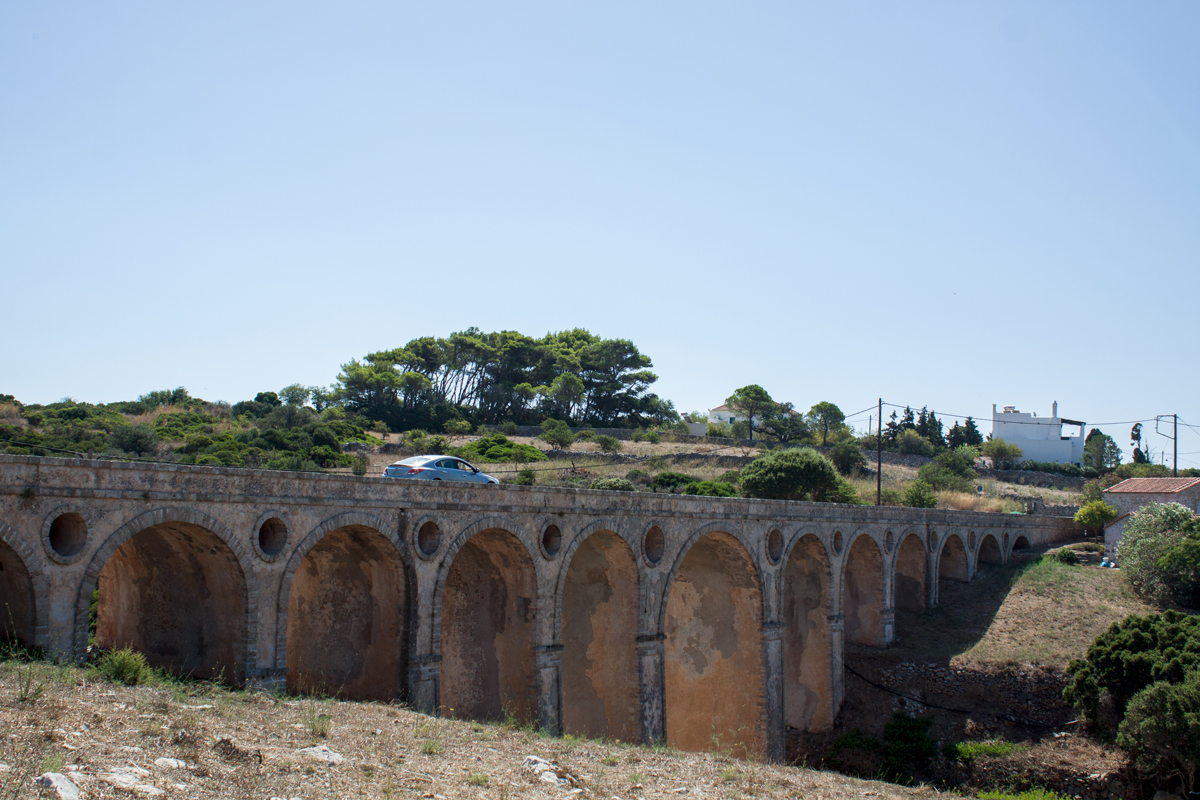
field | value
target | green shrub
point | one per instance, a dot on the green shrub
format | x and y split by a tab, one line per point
848	458
608	444
1127	658
952	470
586	435
525	477
710	489
614	485
1179	566
557	434
733	476
638	476
1151	533
967	752
790	474
1095	515
497	448
912	443
642	435
359	464
1161	729
138	439
508	428
669	481
892	497
919	494
907	746
125	666
1066	556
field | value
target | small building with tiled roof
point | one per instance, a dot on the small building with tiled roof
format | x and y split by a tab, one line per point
1130	495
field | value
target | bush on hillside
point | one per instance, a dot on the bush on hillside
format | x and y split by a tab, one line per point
137	439
608	444
1093	490
1161	729
125	666
912	443
1051	467
791	474
614	485
638	476
508	428
1002	454
669	481
1095	515
496	447
1150	533
920	494
848	458
1127	658
642	435
951	471
710	489
557	434
1179	566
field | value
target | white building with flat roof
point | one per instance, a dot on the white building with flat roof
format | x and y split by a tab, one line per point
1040	438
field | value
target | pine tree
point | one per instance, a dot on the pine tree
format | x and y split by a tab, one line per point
973	436
906	421
891	431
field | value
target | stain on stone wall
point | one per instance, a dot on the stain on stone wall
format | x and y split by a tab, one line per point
862	593
600	697
488	609
911	590
16	597
953	562
807	668
713	651
346	618
176	593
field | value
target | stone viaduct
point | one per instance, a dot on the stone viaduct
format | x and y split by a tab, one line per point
698	622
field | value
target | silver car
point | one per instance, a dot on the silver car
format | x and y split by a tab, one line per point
437	468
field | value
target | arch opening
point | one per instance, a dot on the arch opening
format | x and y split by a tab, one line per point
68	534
347	619
911	588
989	551
952	563
807	669
16	598
489	606
176	593
599	639
713	651
1021	543
863	593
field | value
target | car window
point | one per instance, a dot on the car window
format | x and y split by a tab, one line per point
465	467
414	460
448	463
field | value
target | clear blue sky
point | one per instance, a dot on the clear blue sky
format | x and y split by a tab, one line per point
945	204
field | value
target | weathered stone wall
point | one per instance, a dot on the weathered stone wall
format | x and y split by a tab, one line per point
609	613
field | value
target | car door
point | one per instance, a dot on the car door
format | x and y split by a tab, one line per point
469	473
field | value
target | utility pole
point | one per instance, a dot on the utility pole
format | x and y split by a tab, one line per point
879	459
1175	449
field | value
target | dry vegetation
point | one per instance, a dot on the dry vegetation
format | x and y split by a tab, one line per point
113	741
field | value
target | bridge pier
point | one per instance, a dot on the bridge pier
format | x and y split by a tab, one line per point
549	688
772	636
888	618
650	650
424	681
837	659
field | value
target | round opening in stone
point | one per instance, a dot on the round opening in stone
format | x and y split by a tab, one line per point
68	534
551	541
272	536
889	541
837	542
654	545
429	538
775	546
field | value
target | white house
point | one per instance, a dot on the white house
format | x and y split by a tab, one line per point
1040	438
727	415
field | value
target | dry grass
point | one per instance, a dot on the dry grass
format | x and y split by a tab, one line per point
970	501
245	745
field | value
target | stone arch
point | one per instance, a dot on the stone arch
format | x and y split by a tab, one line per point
952	560
863	591
660	616
1020	542
713	649
24	590
345	609
596	608
807	643
611	525
989	550
910	573
174	584
486	616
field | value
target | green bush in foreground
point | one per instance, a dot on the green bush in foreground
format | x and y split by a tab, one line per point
125	666
614	485
919	494
791	474
1161	729
1151	534
967	752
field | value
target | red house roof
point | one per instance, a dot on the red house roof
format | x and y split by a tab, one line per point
1153	485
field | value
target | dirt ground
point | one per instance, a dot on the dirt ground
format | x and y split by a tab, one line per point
191	741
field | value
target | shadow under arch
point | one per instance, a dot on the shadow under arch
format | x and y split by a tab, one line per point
597	610
344	610
910	573
24	590
989	550
172	585
863	591
952	561
486	613
807	643
713	654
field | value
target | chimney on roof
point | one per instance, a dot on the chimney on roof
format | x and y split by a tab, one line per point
1054	409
